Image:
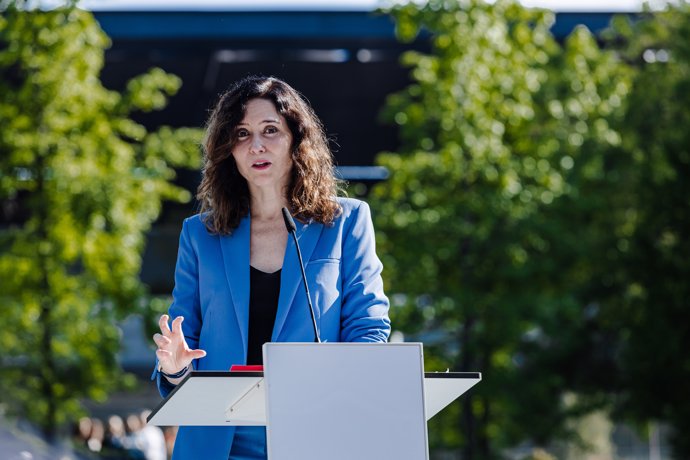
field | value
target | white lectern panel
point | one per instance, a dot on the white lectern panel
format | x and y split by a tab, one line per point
345	401
206	397
442	388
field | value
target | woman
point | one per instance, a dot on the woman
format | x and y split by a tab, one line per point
237	279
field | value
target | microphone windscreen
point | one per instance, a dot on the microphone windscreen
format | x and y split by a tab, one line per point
289	221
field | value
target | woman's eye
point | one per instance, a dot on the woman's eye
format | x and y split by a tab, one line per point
271	130
241	134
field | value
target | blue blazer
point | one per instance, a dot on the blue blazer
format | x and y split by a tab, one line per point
212	293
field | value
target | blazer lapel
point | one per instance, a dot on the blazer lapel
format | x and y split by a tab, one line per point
291	275
235	249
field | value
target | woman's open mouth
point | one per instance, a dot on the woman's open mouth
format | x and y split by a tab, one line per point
261	165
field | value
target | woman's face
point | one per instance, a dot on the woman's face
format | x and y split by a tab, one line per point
263	143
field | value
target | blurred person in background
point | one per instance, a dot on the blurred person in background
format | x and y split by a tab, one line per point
133	441
97	436
81	434
115	434
153	440
237	276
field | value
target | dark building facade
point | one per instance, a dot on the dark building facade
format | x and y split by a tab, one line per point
344	62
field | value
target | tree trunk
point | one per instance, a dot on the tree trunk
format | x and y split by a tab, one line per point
482	438
46	360
468	419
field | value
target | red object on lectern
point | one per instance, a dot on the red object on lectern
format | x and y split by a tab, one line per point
247	368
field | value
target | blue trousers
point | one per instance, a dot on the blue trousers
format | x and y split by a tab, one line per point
249	443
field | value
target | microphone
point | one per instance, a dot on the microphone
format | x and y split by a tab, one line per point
292	228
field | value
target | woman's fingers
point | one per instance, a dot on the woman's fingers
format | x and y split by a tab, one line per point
196	354
163	324
172	351
163	355
177	326
161	340
169	358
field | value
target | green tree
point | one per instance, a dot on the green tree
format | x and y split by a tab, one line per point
654	305
80	184
501	129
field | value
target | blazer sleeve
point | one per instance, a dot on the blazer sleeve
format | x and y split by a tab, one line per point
364	310
185	300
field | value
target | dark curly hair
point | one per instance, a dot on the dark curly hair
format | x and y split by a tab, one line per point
224	194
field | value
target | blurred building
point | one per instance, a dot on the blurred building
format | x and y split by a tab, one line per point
342	55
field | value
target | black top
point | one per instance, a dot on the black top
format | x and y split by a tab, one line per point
264	289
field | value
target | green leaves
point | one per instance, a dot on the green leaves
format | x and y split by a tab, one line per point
655	241
536	222
150	91
502	128
86	182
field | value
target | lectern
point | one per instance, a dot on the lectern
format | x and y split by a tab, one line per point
328	400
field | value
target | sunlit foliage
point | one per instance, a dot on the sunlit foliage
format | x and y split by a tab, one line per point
500	128
80	184
654	307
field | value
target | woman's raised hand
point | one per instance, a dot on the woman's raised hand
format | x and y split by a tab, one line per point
173	353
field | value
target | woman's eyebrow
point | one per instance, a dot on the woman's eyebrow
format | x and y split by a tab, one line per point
268	120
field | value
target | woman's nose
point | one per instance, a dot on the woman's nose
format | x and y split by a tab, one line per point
256	145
